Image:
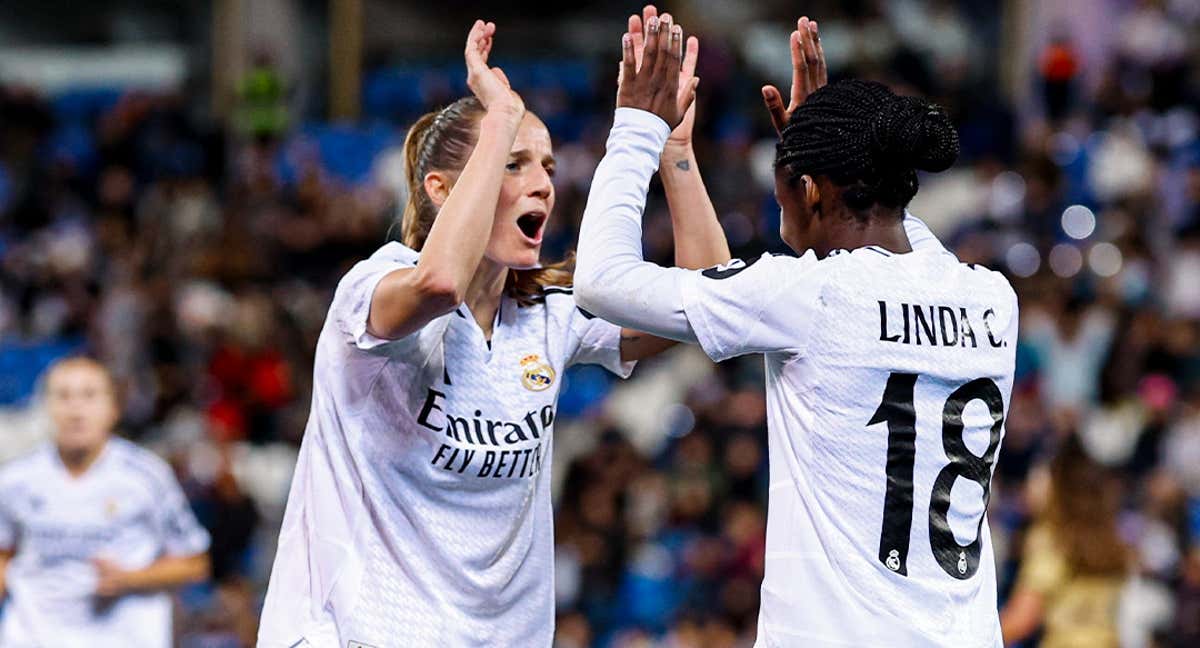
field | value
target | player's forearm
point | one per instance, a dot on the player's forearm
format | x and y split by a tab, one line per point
699	239
458	237
407	299
611	278
168	573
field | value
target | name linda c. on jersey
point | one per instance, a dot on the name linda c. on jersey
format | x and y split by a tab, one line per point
944	326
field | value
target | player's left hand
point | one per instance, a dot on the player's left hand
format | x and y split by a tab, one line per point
808	73
682	135
111	580
654	86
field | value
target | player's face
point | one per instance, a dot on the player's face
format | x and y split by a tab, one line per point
82	406
526	198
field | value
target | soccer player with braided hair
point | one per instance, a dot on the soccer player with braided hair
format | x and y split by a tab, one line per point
420	510
889	363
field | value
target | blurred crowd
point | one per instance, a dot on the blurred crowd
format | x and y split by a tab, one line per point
197	261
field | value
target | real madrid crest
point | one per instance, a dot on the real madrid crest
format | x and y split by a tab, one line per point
535	374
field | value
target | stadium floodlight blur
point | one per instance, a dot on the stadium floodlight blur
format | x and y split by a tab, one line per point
140	222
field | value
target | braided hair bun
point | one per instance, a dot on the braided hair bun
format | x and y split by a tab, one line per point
868	140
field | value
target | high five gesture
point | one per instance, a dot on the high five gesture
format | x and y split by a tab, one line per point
489	85
655	87
808	73
682	135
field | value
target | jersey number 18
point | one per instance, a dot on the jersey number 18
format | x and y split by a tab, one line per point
898	411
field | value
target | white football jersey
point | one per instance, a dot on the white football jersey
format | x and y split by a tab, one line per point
420	510
888	381
127	508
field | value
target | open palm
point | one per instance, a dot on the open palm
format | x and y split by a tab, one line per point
681	134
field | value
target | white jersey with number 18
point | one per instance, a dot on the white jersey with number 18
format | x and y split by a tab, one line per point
888	382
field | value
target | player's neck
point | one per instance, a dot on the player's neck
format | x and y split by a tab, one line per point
78	461
888	235
484	293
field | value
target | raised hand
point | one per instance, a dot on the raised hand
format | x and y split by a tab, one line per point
682	135
490	85
808	73
654	85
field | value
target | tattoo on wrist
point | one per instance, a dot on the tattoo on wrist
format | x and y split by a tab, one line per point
683	165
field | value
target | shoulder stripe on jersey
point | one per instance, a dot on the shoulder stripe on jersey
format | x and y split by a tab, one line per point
729	268
558	290
446	375
586	315
458	311
878	250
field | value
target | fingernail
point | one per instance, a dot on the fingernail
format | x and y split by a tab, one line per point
652	25
627	40
676	32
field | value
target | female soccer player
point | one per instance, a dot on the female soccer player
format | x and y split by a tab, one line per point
94	530
420	510
888	369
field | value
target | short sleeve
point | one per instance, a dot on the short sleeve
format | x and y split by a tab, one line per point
595	341
182	534
351	308
757	306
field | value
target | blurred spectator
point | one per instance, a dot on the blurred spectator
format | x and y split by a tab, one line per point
1074	562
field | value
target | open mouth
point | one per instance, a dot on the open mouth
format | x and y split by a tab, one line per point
531	225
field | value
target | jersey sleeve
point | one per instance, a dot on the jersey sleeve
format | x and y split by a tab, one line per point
351	306
182	534
762	305
596	341
920	237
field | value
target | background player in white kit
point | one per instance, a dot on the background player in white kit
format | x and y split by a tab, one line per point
93	529
420	510
888	369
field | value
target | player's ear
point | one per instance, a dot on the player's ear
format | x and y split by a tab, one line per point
811	193
437	187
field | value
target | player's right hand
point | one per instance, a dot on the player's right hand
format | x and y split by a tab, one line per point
681	137
808	73
490	85
654	86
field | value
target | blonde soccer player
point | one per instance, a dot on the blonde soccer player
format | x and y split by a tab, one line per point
420	511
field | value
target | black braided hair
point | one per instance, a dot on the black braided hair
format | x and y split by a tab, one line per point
868	140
